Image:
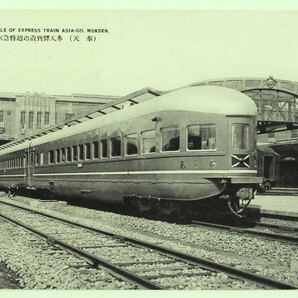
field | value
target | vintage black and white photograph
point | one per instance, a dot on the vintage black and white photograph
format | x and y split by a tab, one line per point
149	149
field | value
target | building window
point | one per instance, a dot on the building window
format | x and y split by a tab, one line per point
148	141
38	120
116	146
23	119
132	144
31	120
201	137
68	116
47	118
1	116
170	139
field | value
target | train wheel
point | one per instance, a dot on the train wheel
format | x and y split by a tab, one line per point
140	206
182	211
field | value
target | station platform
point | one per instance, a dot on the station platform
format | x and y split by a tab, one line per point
283	205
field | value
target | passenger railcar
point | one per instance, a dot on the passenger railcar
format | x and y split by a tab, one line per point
164	155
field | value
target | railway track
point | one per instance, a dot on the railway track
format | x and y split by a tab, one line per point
139	263
281	191
277	232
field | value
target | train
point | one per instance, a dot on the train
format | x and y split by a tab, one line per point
188	150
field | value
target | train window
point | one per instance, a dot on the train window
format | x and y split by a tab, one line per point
240	136
74	153
148	141
81	152
116	146
51	156
37	161
201	137
170	139
63	155
104	148
88	150
131	143
68	153
41	159
95	149
58	156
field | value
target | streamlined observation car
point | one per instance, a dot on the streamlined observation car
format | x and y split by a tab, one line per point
162	155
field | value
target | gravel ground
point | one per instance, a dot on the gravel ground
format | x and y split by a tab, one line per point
39	265
8	279
269	258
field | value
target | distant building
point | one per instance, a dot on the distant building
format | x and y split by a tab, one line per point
23	114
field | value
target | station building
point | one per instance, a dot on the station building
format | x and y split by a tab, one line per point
23	114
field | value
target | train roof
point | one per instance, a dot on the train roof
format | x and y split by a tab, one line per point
203	99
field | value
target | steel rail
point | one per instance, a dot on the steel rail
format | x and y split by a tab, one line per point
284	238
273	226
203	263
89	258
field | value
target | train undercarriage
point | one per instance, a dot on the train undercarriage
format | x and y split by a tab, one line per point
234	202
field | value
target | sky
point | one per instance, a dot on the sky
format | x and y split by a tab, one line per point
162	49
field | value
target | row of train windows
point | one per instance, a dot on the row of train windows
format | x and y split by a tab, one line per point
13	163
200	137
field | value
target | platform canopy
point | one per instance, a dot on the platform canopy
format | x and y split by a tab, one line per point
276	100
